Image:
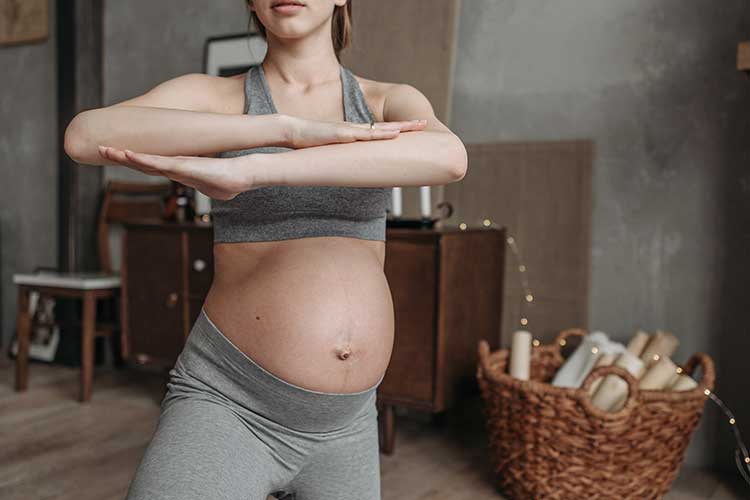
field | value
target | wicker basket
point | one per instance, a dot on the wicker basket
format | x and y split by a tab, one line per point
551	442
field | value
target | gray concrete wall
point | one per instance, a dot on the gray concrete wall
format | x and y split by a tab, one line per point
655	85
169	42
28	165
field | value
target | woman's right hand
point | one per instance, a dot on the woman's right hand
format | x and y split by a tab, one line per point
304	133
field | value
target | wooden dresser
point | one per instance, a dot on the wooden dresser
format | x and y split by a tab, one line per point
447	292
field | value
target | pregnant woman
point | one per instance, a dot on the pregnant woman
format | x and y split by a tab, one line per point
274	391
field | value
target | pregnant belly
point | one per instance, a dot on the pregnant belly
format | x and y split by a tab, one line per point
316	312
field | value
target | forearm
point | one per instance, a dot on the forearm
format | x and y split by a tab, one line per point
167	131
420	158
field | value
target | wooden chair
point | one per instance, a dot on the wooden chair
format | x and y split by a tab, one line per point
122	201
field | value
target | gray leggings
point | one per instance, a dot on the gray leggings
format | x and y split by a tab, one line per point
231	430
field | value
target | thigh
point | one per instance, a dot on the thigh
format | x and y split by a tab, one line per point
346	466
202	450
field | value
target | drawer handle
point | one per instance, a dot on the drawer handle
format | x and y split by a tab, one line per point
199	265
172	299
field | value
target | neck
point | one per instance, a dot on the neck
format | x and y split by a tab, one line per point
302	62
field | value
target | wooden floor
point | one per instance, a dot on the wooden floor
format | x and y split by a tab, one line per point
52	447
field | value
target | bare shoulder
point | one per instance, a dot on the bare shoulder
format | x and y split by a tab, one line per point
195	92
395	101
374	93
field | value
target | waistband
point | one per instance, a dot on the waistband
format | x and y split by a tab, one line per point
222	368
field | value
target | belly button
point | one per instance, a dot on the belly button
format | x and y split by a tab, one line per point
344	354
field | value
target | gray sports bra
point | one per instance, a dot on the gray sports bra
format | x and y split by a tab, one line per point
286	212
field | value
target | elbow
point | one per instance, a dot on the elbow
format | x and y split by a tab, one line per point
458	160
74	141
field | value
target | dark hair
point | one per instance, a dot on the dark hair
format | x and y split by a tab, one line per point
341	26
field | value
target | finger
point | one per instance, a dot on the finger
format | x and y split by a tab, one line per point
412	125
401	125
115	155
158	162
375	134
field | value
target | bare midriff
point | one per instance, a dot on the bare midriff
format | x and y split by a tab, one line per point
316	311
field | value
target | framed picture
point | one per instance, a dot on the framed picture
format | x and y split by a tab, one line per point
23	21
228	55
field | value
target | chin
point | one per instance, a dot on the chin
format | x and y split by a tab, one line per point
289	29
297	23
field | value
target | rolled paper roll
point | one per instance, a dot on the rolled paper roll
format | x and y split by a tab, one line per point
613	391
638	342
662	345
574	370
604	360
659	375
520	355
683	383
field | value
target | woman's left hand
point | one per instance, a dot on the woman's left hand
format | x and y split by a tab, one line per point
219	178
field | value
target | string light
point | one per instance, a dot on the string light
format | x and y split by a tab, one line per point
526	291
743	464
522	276
535	342
594	350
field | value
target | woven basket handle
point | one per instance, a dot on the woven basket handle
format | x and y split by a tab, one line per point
602	371
562	337
483	351
707	364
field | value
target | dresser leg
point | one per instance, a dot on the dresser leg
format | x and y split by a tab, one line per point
23	338
87	345
387	419
439	419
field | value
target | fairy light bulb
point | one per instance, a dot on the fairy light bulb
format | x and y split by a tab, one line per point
526	295
462	226
486	223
